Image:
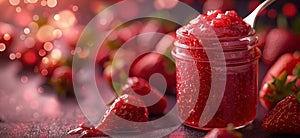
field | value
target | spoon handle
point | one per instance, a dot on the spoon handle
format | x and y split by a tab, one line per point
250	19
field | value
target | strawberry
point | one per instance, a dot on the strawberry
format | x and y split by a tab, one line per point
285	117
141	87
278	42
286	62
128	107
274	91
150	63
223	133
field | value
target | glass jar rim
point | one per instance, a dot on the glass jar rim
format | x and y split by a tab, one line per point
250	34
227	43
233	48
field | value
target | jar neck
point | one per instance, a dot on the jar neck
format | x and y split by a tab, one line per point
233	49
213	42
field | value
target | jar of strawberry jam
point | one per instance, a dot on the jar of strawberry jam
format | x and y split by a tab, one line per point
217	69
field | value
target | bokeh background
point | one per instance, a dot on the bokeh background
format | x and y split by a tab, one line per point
38	40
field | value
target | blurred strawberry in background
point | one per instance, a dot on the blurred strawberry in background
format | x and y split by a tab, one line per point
62	81
279	41
287	62
281	80
148	64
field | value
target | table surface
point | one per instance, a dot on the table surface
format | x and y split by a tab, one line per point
29	110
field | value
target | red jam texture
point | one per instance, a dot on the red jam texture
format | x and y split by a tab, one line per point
194	71
238	105
213	24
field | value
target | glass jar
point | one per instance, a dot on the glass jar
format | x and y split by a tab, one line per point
201	71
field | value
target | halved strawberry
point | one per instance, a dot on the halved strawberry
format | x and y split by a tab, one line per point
223	133
127	107
285	117
141	87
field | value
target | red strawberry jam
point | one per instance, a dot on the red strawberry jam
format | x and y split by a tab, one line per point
216	49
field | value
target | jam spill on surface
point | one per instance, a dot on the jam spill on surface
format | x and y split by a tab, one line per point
85	131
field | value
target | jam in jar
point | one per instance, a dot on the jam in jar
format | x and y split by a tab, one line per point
216	71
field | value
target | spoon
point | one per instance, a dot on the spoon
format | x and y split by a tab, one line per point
250	19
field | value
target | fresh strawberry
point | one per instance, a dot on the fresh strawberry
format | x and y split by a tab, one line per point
285	117
150	63
274	91
278	42
141	87
286	62
223	133
126	107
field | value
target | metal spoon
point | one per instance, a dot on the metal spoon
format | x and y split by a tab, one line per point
250	19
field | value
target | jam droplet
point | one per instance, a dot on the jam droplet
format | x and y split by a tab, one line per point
85	131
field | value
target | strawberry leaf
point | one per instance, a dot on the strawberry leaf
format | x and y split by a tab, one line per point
291	84
280	81
280	88
272	87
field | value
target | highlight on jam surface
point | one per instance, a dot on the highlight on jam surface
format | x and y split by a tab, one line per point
38	40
